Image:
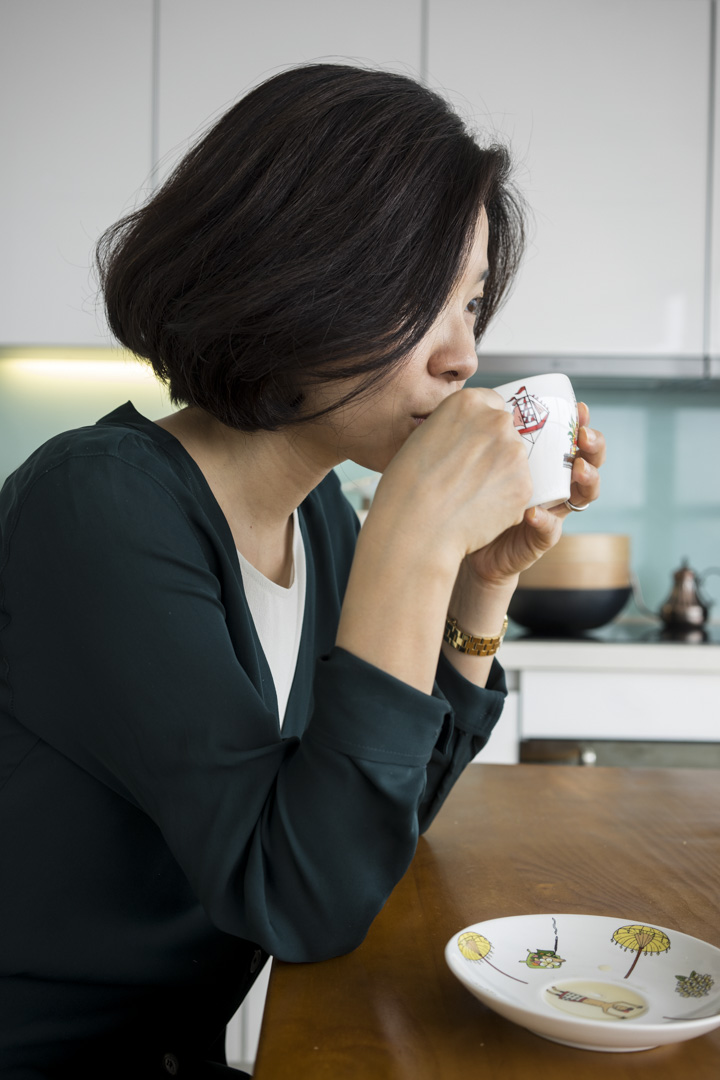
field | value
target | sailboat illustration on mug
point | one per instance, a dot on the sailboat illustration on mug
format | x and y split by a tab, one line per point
529	414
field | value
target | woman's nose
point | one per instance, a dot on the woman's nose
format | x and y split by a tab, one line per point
453	354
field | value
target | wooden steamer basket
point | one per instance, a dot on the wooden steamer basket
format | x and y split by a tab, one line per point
580	584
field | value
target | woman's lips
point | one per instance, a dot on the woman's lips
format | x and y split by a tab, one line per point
419	419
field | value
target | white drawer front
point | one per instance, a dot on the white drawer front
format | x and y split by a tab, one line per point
620	705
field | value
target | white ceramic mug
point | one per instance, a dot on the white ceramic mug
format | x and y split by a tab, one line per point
545	414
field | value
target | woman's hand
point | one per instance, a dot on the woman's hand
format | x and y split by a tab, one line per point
461	480
521	545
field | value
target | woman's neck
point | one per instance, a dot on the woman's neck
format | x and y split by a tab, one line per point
258	480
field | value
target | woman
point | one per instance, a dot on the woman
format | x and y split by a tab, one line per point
225	717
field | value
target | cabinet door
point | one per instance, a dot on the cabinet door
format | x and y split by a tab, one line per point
212	53
643	706
713	315
75	111
605	106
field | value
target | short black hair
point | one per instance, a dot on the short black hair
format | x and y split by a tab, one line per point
313	233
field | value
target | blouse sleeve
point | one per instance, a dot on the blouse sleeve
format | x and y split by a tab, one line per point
118	655
474	713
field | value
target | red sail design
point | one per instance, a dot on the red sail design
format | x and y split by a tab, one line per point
529	414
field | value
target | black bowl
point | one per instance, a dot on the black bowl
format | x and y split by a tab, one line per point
566	611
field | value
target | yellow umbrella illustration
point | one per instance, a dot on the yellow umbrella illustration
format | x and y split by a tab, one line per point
641	939
476	947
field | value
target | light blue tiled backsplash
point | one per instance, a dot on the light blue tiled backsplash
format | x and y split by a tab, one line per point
661	482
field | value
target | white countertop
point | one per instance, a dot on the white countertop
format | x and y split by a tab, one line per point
563	655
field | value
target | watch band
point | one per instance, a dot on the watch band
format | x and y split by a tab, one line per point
473	646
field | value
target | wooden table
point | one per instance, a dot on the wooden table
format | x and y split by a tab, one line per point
642	844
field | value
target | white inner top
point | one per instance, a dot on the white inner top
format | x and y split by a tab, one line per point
278	616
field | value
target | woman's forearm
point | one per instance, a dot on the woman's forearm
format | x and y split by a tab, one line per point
397	600
395	606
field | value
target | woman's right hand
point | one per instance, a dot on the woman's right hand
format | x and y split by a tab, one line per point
459	481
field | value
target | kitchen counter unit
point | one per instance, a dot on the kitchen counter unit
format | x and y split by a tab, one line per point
620	683
596	654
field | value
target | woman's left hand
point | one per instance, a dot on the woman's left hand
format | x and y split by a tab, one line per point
520	546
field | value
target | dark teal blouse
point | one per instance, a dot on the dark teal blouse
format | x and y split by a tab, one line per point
159	833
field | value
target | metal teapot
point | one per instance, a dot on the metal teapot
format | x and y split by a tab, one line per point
685	608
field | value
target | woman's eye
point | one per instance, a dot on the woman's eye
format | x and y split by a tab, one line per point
474	305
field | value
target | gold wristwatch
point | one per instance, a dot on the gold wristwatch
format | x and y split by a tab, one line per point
473	646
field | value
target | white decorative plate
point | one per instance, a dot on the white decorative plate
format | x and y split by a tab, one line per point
593	982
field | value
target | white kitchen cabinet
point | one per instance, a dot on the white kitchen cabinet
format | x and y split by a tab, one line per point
605	106
75	120
624	705
597	690
213	53
604	101
713	327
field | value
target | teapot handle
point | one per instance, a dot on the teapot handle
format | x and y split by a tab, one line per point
706	574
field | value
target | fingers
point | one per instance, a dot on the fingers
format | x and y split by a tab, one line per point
591	443
540	519
466	472
585	482
585	487
590	456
